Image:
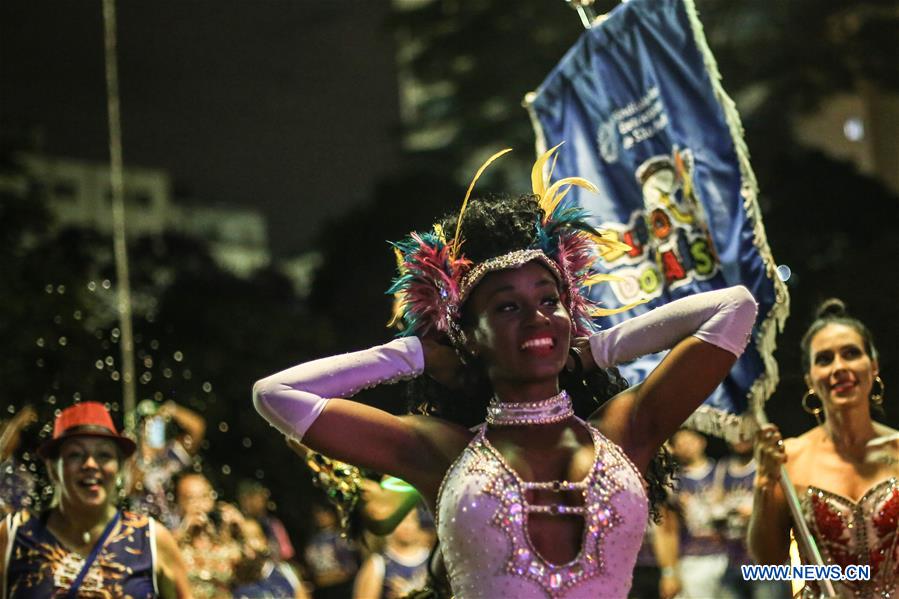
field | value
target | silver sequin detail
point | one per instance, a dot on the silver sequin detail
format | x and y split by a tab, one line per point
600	516
511	260
547	411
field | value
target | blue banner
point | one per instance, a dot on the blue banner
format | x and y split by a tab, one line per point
640	108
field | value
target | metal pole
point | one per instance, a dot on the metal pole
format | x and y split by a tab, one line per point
120	247
584	10
802	533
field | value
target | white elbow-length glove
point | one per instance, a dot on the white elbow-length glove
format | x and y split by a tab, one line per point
723	317
292	399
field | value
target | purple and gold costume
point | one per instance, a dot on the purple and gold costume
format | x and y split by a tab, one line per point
38	566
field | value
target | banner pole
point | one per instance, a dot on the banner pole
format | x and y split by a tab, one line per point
802	532
584	10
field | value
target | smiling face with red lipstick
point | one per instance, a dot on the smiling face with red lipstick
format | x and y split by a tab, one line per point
518	327
841	371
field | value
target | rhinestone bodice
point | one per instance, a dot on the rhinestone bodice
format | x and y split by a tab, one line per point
863	532
482	512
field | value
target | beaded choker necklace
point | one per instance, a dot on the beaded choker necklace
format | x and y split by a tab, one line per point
554	409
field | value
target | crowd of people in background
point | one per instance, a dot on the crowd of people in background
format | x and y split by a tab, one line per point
698	547
242	549
223	548
164	531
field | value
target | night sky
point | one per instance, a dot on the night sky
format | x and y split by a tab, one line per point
288	106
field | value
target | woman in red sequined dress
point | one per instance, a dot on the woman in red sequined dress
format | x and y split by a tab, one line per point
846	469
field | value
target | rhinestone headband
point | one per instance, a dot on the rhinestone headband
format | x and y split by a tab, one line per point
514	259
554	409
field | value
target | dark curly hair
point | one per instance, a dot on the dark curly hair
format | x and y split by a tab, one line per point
833	311
492	227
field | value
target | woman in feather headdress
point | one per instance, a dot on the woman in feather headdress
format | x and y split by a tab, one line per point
534	501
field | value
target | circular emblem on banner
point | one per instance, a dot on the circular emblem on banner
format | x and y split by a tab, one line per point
607	141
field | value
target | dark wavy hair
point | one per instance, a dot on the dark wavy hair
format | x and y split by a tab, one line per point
492	227
833	311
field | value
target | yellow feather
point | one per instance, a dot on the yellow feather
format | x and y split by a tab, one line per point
610	244
552	167
456	241
538	182
550	201
396	317
399	298
600	278
561	196
611	311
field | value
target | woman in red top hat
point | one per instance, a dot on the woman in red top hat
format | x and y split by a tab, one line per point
84	546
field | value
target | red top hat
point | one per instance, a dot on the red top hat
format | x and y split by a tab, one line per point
86	419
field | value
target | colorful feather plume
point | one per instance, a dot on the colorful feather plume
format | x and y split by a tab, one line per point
566	236
431	267
428	283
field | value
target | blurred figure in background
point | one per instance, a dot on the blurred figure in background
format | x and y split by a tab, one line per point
275	579
703	557
736	473
657	573
84	546
169	437
367	510
401	567
253	499
220	549
16	482
331	560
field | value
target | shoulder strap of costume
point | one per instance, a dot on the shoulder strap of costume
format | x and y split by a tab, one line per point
13	520
151	531
76	584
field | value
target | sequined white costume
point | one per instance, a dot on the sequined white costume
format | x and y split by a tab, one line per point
482	524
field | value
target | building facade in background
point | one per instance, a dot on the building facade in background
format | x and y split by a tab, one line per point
79	194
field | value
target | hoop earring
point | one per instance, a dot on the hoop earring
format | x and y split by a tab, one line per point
877	398
816	411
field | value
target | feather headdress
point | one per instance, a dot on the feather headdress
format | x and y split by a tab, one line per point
435	278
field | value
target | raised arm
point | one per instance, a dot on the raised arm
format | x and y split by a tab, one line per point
191	423
768	537
11	435
304	402
706	333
